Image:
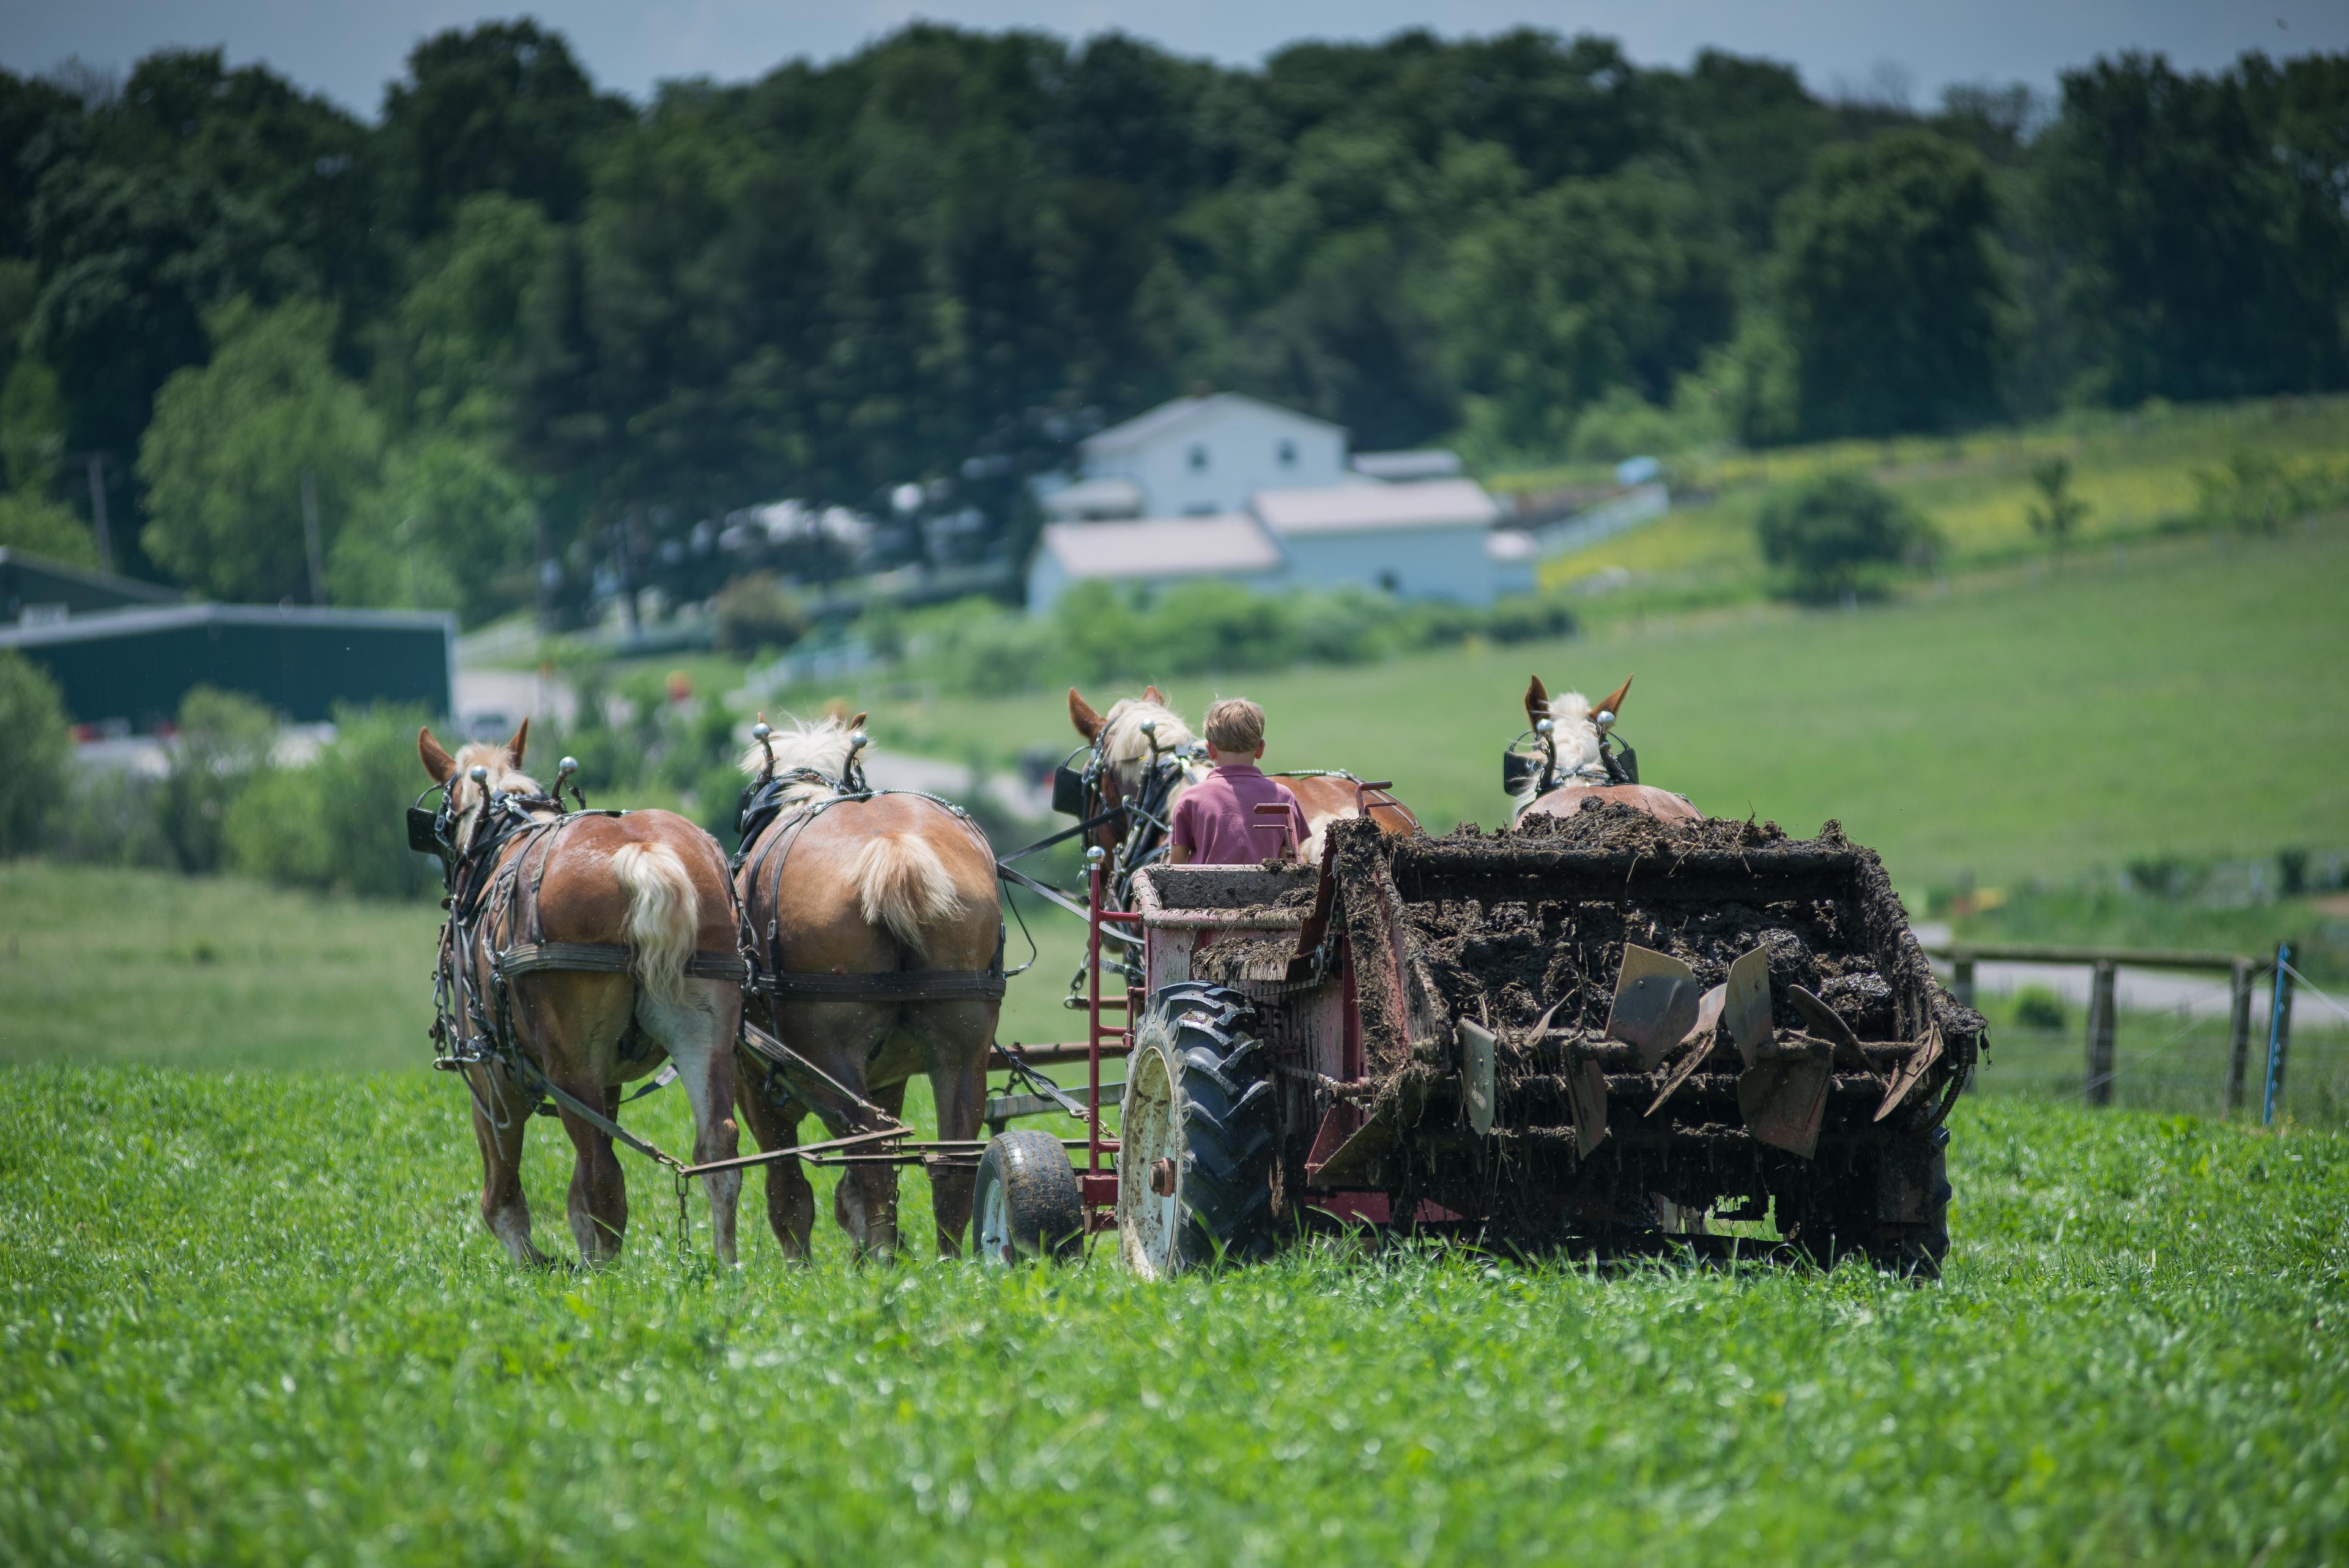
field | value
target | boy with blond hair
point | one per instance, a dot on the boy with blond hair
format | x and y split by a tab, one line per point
1216	822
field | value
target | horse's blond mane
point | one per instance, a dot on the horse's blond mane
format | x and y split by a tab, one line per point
1123	745
505	777
822	747
1575	734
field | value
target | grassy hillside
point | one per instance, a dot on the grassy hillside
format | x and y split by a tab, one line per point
2187	700
256	1320
2137	472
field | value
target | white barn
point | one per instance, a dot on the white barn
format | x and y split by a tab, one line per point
1223	486
1158	550
1423	541
1201	456
1433	540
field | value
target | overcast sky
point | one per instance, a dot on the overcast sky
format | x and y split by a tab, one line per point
1853	46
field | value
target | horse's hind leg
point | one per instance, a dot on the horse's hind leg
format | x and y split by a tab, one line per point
698	1031
505	1208
865	1201
790	1200
954	1037
576	1020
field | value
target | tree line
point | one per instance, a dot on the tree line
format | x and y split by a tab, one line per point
517	337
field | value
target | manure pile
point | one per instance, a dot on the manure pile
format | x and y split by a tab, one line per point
1503	963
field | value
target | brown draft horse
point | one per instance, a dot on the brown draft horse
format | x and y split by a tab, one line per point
1124	749
650	881
858	886
1581	778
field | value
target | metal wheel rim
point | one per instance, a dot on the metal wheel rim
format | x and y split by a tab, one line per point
996	1242
1149	1224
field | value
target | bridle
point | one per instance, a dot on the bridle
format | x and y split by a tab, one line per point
1146	815
435	831
1533	755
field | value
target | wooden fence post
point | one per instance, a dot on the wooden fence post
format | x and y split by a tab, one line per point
2279	1031
1962	978
2238	1033
2100	1086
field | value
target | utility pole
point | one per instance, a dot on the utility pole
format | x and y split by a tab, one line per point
98	509
310	538
542	567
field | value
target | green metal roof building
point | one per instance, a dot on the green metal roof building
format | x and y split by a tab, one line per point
132	659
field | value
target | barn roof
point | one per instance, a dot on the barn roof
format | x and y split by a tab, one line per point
1371	507
1174	414
1162	547
28	579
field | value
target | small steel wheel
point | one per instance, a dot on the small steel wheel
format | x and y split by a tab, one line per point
1026	1203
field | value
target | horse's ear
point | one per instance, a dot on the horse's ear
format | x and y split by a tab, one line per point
520	744
438	763
1613	702
1152	694
1082	714
858	722
1537	701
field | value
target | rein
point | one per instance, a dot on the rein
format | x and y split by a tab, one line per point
1516	762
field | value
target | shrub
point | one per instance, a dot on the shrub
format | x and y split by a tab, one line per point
2165	876
39	753
1623	425
1528	617
2257	493
338	824
111	817
2057	514
1840	536
1211	625
1097	632
754	612
222	748
1350	626
2036	1007
42	527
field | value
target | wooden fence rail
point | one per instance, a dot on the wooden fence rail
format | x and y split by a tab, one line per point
2103	963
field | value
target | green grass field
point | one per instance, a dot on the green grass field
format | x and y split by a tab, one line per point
250	1315
99	965
2136	472
218	972
2187	700
251	1318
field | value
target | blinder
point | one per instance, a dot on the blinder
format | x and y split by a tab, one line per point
1517	768
1068	792
424	830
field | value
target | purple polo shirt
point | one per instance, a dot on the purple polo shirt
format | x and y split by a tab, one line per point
1215	819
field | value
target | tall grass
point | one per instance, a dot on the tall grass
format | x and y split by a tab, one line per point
255	1320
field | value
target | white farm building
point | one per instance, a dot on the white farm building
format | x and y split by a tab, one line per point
1224	486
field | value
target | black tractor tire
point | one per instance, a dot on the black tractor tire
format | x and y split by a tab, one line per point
1196	1133
1026	1204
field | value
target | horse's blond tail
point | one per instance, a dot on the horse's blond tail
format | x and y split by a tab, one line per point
901	885
663	917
